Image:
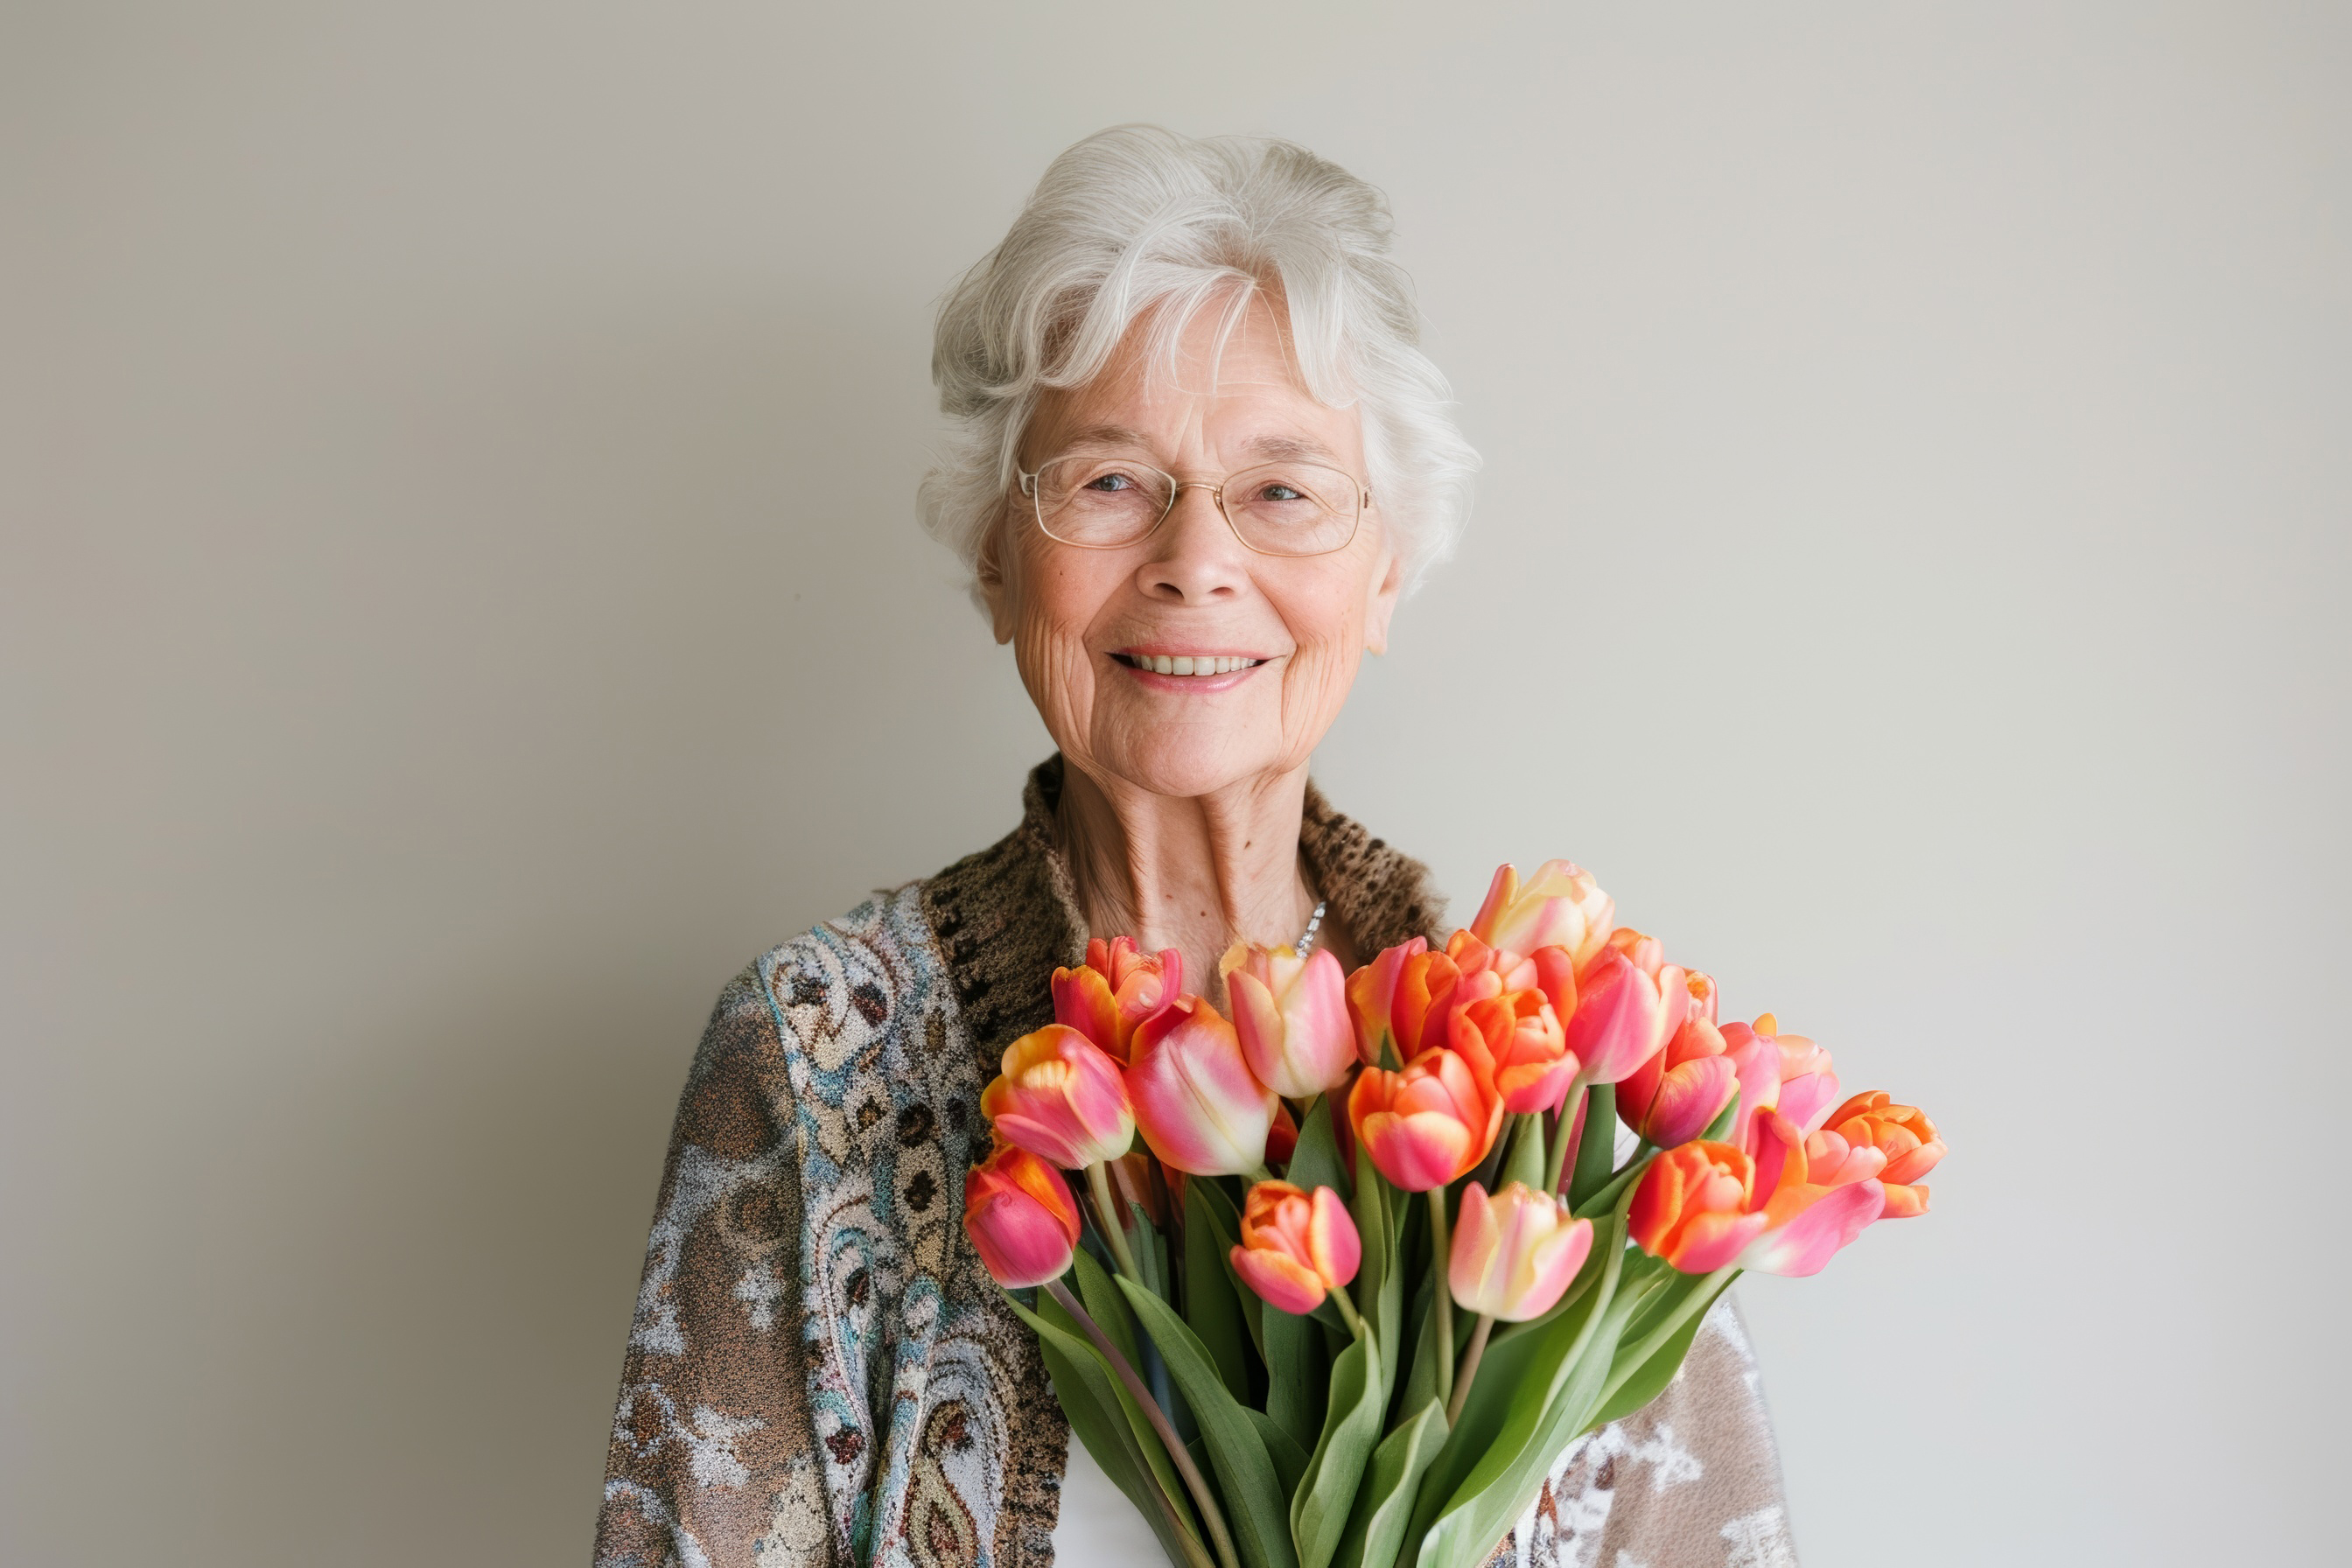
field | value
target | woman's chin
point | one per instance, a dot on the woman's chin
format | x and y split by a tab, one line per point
1164	765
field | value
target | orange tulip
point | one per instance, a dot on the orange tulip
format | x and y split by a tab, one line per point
1115	989
1021	1216
1060	1097
1428	1124
1691	1207
1516	1039
1871	1136
1296	1247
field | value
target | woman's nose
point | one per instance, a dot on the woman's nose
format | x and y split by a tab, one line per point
1195	555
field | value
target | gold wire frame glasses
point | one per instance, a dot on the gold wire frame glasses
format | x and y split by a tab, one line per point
1275	508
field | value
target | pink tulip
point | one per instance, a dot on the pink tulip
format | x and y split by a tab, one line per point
1670	1098
1196	1102
1515	1253
1787	1073
1021	1216
1115	989
1060	1097
1296	1247
1292	1016
1560	906
1629	1003
1428	1124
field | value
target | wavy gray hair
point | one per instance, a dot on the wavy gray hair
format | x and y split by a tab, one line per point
1134	220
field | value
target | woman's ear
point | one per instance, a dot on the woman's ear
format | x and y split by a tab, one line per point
988	571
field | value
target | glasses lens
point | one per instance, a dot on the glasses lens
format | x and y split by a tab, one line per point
1292	508
1101	501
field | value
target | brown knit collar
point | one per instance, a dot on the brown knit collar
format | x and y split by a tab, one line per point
1006	916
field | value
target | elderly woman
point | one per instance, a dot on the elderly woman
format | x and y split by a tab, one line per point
1199	458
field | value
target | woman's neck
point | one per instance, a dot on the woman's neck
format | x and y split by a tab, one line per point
1193	873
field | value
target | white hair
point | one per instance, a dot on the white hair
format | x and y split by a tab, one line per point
1136	221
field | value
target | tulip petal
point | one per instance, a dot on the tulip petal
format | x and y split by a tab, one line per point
1282	1282
1823	1220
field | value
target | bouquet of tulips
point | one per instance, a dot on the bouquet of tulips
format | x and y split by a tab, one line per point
1377	1265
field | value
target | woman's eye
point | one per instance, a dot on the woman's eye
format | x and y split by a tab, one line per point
1111	482
1281	492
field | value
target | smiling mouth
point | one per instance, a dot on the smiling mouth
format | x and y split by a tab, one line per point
1187	664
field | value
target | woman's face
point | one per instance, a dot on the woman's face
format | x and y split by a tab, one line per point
1083	623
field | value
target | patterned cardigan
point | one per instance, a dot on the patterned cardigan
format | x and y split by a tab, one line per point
820	1372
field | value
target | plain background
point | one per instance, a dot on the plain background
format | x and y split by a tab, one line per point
461	600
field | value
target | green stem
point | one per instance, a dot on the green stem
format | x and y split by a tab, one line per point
1348	1311
1470	1359
1442	1303
1567	1120
1178	1454
1107	1212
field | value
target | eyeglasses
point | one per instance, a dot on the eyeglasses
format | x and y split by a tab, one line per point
1275	508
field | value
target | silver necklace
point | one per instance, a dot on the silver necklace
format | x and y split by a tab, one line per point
1305	944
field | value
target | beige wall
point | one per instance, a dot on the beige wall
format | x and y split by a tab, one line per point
461	600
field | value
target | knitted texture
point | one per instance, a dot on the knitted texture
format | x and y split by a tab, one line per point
820	1371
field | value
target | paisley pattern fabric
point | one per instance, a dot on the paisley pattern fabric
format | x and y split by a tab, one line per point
820	1372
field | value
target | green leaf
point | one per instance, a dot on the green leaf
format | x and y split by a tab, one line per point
1316	1162
1384	1503
1297	1375
1211	1309
1319	1508
1114	1429
1245	1474
1289	1459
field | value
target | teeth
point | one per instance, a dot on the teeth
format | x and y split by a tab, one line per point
1190	664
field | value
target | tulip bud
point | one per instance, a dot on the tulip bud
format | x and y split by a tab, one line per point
1903	1140
1560	906
1515	1253
1021	1216
1296	1247
1428	1124
1516	1039
1196	1102
1115	989
1060	1097
1291	1014
1629	1004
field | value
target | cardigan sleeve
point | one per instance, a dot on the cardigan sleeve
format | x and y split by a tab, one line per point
713	1451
